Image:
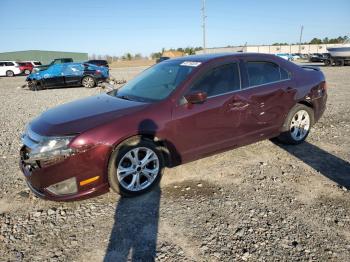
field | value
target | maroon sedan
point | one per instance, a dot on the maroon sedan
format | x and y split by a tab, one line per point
177	111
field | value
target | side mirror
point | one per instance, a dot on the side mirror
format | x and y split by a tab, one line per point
198	97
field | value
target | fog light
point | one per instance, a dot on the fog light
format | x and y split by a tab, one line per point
66	187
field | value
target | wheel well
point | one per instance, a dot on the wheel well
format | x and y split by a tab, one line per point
162	146
306	103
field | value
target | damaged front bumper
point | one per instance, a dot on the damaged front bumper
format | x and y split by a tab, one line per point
57	172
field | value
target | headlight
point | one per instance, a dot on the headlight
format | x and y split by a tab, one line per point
66	187
51	147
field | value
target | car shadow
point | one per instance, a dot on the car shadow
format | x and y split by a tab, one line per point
329	165
135	230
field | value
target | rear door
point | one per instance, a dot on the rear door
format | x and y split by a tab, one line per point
268	95
73	74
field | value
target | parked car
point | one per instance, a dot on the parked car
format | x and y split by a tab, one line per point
176	111
98	62
68	74
285	56
54	62
9	68
34	63
317	58
25	67
296	56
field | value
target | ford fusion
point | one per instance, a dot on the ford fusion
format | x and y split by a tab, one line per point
174	112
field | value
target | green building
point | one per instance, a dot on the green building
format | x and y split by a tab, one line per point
45	57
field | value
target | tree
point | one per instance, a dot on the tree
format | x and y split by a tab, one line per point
156	55
138	56
315	41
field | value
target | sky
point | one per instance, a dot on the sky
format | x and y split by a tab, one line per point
116	27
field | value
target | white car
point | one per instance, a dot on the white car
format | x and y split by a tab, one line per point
9	68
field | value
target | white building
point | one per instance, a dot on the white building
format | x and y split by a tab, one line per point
273	49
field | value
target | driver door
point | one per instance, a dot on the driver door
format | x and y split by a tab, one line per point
53	76
202	129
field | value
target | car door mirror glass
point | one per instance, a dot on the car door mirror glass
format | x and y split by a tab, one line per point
196	97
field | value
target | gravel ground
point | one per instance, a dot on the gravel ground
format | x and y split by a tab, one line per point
261	202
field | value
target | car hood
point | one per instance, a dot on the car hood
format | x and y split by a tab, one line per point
84	114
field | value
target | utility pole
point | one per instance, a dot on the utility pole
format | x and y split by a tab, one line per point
301	35
203	25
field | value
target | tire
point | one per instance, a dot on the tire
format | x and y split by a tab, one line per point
124	171
10	73
27	71
88	82
340	62
301	116
327	62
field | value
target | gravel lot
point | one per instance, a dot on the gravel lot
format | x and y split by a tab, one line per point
260	202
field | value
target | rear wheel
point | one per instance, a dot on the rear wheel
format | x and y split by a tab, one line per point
27	71
10	73
339	62
88	82
297	125
135	167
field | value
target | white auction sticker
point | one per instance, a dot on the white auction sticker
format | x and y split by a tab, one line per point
189	63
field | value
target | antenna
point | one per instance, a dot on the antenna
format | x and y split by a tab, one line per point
203	25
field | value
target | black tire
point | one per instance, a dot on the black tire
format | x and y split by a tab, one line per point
340	62
117	155
327	62
88	82
286	136
10	73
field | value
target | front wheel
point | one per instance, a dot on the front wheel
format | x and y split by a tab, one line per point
297	125
27	71
88	82
135	167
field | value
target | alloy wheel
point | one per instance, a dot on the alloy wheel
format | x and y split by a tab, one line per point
138	168
88	82
300	125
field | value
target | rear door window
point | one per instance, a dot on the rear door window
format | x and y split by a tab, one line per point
9	64
220	80
263	72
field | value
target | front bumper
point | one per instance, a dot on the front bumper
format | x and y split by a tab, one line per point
82	166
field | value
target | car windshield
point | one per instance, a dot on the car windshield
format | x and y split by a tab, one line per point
155	83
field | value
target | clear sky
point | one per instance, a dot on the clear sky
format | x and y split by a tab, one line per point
118	26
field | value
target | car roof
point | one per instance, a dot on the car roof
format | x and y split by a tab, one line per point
208	57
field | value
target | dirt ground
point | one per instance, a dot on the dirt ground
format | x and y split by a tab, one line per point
261	202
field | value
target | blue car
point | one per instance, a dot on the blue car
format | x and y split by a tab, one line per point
67	75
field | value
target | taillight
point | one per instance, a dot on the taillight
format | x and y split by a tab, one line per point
98	72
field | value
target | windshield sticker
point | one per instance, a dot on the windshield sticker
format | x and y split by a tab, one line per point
189	63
